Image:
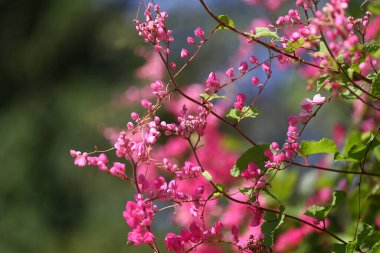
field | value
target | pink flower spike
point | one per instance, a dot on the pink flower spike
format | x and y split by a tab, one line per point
230	73
199	32
184	53
243	66
173	66
190	40
318	99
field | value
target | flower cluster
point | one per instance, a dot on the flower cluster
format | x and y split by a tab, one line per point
181	159
154	30
194	235
139	216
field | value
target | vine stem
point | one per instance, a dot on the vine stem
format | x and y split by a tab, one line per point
333	170
176	88
269	46
343	71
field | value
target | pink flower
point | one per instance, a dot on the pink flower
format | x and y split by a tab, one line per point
157	85
212	81
80	160
230	73
255	80
274	145
318	99
173	65
253	59
135	116
251	172
293	120
199	32
377	221
196	232
190	40
149	238
184	53
304	116
257	216
173	242
240	99
266	68
307	104
243	66
290	239
235	233
135	237
118	170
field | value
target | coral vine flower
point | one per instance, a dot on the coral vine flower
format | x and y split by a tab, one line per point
184	53
199	32
240	99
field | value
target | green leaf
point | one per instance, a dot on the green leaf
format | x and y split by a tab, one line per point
271	223
254	154
316	147
321	81
245	112
338	197
376	152
354	149
375	87
318	212
207	175
352	139
354	68
376	248
338	248
272	196
372	49
351	246
226	20
292	46
374	7
321	212
263	32
220	187
208	97
322	49
248	191
368	239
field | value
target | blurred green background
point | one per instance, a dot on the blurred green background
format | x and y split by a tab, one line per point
62	63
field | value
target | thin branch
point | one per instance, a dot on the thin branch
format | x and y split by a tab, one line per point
272	47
